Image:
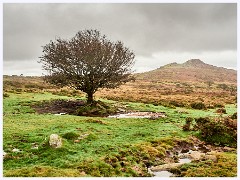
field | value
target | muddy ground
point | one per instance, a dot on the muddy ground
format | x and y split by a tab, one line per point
58	106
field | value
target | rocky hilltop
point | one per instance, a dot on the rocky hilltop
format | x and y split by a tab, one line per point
193	70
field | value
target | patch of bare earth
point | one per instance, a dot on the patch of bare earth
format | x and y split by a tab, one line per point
58	106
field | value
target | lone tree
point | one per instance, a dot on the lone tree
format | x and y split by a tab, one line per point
87	62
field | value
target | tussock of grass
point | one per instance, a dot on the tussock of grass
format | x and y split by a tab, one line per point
70	135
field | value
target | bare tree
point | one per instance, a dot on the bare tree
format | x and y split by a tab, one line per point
87	62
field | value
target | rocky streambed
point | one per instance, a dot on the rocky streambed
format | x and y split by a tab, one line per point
164	170
186	153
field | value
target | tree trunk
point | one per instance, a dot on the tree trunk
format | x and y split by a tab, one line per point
89	98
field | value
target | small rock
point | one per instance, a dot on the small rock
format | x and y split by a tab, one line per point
34	147
16	150
121	110
83	136
4	154
165	167
77	141
150	171
60	114
185	150
55	141
204	148
182	112
211	152
228	149
82	173
210	157
153	117
196	155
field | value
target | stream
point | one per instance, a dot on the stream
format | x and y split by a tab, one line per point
163	170
185	154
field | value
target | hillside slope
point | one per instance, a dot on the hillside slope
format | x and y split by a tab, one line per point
193	70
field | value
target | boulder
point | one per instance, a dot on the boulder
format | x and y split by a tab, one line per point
213	158
55	141
166	167
196	155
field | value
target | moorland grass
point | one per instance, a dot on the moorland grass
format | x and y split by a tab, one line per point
109	147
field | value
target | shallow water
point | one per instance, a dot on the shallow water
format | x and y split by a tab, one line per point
162	174
139	115
129	115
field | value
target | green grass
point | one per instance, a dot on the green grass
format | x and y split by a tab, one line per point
119	138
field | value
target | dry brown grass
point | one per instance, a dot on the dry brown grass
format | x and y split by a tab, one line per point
171	93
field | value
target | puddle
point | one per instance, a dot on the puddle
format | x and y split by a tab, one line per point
129	115
161	170
139	115
185	154
162	174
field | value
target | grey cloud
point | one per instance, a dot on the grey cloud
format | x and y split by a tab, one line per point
144	28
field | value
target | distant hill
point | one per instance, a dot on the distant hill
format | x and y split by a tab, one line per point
193	70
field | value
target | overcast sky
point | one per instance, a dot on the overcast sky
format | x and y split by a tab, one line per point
158	33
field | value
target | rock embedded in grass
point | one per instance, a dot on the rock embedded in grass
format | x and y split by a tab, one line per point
166	167
228	149
55	141
4	154
34	146
83	136
211	157
16	150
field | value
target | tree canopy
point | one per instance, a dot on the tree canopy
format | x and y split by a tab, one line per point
87	62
